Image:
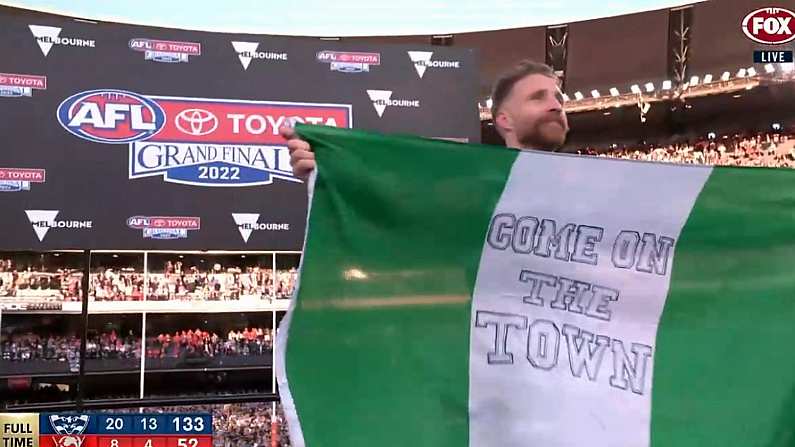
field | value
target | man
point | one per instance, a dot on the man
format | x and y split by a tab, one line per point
527	109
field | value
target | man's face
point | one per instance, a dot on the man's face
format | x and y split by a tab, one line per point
533	113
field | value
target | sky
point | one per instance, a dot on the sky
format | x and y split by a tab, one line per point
340	18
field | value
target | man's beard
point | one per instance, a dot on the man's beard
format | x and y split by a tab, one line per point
538	138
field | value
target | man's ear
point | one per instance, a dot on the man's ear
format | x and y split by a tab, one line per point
503	121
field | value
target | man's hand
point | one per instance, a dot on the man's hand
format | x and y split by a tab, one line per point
302	159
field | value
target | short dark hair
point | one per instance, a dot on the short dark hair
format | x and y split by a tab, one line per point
506	81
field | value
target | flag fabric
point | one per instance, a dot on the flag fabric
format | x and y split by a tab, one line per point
468	295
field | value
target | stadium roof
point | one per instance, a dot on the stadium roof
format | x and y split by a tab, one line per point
344	18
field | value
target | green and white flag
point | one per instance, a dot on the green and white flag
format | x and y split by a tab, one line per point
465	295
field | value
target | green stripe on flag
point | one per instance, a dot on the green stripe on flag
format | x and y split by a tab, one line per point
724	358
387	278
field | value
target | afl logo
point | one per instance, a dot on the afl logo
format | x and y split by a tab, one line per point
196	122
770	26
111	116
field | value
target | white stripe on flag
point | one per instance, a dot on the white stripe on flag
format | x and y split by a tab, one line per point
295	431
534	389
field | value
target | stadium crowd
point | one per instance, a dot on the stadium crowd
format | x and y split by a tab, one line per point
176	282
250	341
248	425
772	150
127	284
29	346
27	281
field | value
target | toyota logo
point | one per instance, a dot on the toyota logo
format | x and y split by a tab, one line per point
196	122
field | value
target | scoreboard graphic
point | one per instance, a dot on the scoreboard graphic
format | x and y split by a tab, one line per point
105	430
